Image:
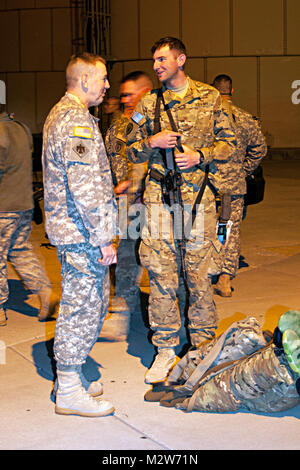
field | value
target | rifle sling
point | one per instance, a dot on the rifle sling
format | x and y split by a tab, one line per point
157	128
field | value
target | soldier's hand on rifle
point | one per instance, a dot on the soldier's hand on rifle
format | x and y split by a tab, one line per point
187	159
164	139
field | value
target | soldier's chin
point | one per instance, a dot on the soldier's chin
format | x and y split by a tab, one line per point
100	99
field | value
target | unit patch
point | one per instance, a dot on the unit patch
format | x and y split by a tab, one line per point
81	150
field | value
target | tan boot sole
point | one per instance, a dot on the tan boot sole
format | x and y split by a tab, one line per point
68	412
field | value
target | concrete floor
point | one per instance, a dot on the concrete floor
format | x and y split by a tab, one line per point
267	285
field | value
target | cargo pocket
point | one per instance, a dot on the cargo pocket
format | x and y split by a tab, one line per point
217	257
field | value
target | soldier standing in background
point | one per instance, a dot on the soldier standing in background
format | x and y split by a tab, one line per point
206	134
16	210
80	213
128	180
230	176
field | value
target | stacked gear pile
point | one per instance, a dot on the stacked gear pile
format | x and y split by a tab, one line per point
244	368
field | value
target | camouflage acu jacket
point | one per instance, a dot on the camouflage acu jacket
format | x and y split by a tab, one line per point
203	124
78	191
229	176
122	168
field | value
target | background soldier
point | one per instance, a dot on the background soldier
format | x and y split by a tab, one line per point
112	110
206	134
80	220
16	210
230	177
128	180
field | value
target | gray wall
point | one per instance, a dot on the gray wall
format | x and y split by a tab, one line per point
257	42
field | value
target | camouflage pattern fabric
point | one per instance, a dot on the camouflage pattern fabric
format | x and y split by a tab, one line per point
81	216
128	270
83	305
15	247
241	369
204	125
122	168
240	339
116	149
229	176
262	382
233	246
78	193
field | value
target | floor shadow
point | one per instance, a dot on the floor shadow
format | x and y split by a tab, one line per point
18	295
242	262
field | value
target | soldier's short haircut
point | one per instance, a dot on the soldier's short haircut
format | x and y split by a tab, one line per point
134	76
87	58
223	83
173	43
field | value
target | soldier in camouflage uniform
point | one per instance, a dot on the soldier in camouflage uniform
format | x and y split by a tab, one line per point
128	181
16	209
230	176
206	134
80	221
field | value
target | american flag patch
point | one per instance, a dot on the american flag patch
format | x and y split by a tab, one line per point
85	132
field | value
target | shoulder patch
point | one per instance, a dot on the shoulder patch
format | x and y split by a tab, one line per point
129	128
138	118
120	146
85	132
79	150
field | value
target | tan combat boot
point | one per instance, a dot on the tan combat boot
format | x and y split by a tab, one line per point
165	360
94	388
223	286
72	399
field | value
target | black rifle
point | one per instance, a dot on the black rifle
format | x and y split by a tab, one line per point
171	182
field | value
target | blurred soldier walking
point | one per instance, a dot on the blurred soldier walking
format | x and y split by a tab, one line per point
16	210
230	177
128	180
81	221
203	133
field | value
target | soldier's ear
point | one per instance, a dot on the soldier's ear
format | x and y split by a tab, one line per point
84	80
181	61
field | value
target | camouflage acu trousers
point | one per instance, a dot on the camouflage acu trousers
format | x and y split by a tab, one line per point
233	246
84	302
15	247
161	258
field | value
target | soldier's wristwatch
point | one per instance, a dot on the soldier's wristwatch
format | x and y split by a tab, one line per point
201	160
